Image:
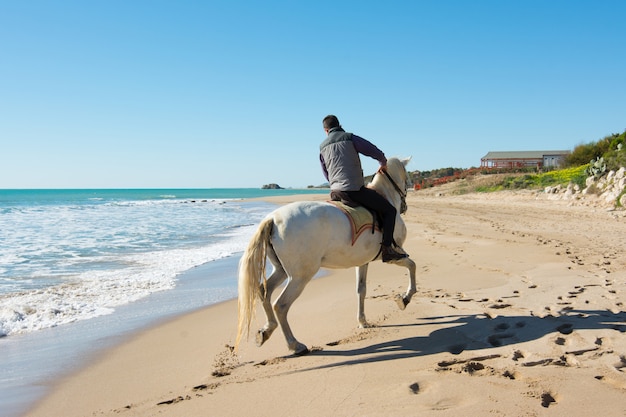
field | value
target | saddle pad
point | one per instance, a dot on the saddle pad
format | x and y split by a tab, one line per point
361	219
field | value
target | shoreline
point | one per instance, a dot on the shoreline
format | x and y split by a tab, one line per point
73	344
76	345
519	308
31	360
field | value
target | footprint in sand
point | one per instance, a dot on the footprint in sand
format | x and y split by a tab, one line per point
362	335
273	361
456	349
225	362
445	365
576	292
547	399
615	383
621	364
414	388
501	327
541	362
517	355
566	328
560	341
500	305
511	374
472	367
495	340
174	400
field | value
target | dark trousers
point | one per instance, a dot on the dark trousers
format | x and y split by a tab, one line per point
372	200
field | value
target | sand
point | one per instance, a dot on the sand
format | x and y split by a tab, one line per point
519	312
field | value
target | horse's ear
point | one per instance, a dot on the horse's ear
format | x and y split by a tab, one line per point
406	161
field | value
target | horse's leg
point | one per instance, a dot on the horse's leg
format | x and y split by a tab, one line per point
403	301
361	289
275	279
290	293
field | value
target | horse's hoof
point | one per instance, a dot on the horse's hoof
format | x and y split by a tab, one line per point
400	301
260	338
301	350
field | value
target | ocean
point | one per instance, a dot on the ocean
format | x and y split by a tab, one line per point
81	268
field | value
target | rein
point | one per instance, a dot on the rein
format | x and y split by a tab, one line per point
403	206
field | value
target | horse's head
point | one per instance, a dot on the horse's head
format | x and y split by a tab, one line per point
398	166
394	182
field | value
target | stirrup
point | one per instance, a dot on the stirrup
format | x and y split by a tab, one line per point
390	254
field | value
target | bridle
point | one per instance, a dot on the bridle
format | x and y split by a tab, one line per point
402	193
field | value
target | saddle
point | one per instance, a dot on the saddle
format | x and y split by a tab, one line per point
361	219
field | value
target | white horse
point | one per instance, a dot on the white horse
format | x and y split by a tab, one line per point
302	237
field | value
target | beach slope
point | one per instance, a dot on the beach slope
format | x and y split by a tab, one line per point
519	312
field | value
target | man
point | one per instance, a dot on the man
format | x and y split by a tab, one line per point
341	164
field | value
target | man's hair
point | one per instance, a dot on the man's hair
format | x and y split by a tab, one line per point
331	121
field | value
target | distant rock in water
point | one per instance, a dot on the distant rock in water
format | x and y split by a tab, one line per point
272	187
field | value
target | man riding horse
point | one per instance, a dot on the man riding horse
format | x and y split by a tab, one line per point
301	237
341	164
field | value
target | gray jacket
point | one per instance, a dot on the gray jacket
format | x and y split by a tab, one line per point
339	156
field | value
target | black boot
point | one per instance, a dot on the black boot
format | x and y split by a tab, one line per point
390	254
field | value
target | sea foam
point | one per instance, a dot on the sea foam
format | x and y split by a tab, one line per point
63	263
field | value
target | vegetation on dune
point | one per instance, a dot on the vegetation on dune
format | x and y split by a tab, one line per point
576	175
590	159
610	148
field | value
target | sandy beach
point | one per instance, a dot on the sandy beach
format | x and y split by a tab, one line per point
519	312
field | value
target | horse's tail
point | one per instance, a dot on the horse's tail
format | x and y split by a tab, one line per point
251	274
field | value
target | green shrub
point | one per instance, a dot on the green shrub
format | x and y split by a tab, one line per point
586	152
616	158
574	175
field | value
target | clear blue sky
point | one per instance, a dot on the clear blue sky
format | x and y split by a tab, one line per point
231	94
